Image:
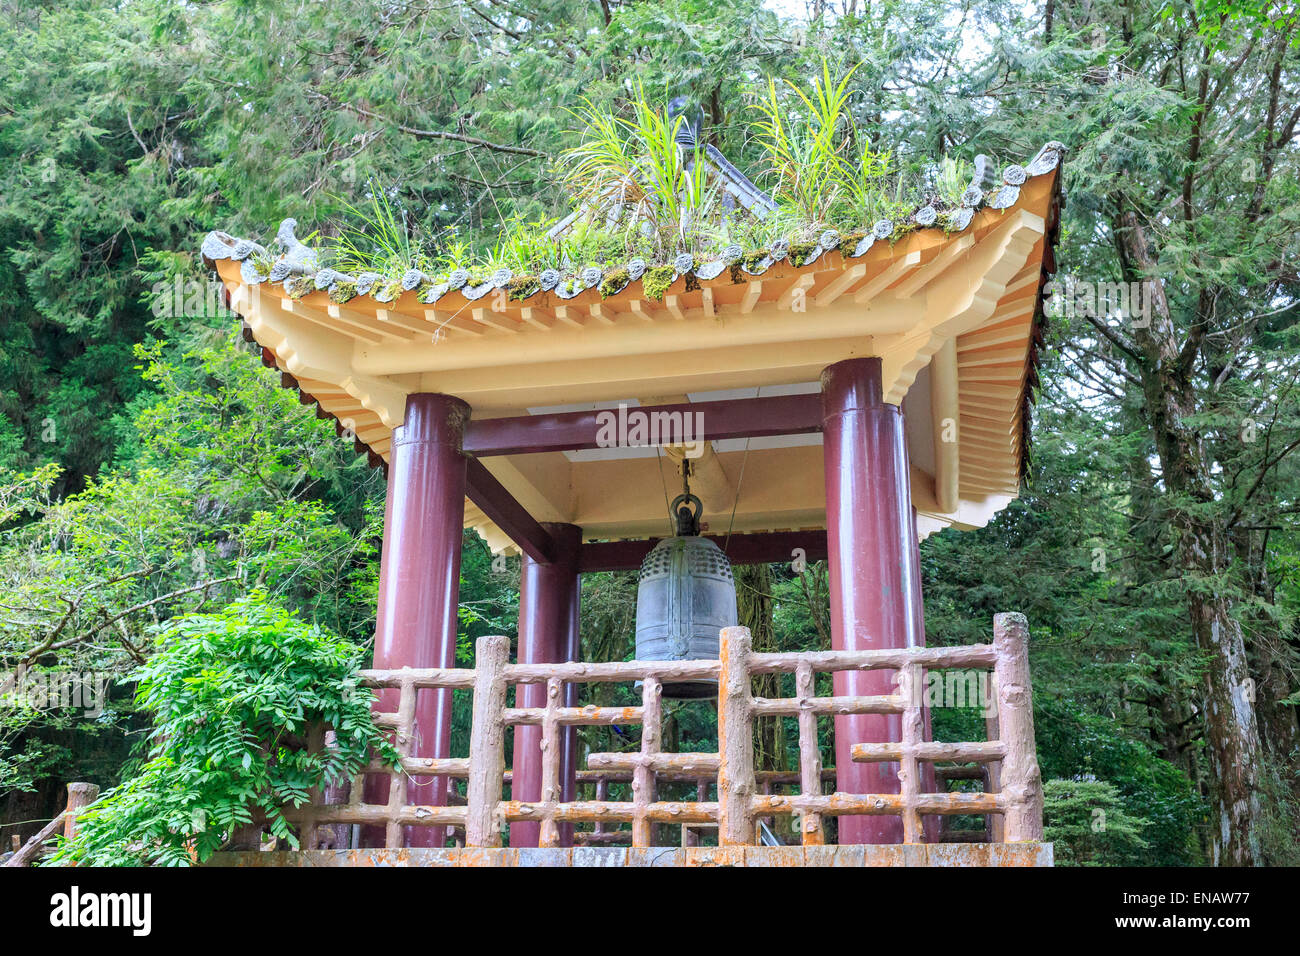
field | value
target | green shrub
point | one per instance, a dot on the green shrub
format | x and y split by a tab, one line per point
234	697
1089	825
1072	742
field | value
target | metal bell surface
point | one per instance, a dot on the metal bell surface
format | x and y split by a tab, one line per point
685	596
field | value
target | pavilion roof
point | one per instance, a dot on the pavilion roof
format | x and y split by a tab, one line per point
373	356
297	269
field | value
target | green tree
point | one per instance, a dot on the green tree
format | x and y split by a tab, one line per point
1087	824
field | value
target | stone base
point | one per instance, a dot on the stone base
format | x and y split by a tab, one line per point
943	854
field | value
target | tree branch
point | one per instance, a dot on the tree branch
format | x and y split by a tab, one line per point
440	134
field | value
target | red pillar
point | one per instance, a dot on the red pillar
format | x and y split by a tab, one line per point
875	587
419	581
548	634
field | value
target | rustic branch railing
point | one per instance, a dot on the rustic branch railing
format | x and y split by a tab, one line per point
1015	796
80	796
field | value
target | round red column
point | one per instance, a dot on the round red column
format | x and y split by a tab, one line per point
419	582
875	589
549	598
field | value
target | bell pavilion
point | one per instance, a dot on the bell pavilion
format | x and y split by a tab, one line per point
834	399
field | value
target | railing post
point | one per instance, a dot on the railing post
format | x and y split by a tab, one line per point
735	740
403	743
909	768
335	794
602	792
552	745
1022	784
643	778
994	823
487	746
80	796
810	758
318	739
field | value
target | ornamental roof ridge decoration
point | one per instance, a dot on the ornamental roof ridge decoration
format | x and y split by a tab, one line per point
297	267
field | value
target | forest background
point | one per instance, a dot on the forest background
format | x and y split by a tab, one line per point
151	467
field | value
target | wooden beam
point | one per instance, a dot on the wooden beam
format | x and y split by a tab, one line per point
386	317
492	498
570	315
343	326
451	320
537	317
572	431
760	548
994	373
887	277
1013	355
497	320
841	283
801	284
642	310
944	390
935	267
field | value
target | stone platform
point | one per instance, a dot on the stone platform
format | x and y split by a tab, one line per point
945	854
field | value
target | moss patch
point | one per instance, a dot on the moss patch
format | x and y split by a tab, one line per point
849	243
656	281
800	251
901	229
521	287
298	286
945	221
387	291
613	282
341	292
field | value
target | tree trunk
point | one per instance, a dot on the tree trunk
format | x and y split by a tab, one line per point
1202	554
754	601
1273	658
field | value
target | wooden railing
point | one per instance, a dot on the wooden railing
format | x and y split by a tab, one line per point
80	796
1016	797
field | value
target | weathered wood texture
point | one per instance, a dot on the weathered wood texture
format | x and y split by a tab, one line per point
80	796
34	847
735	740
744	796
1022	785
488	744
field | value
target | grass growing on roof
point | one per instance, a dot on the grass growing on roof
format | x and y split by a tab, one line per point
647	198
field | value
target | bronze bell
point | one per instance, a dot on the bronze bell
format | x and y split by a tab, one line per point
686	595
